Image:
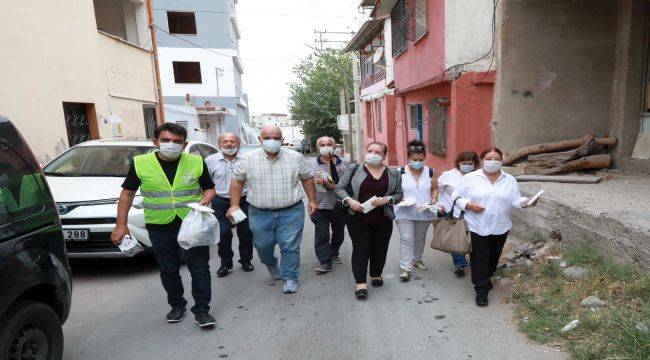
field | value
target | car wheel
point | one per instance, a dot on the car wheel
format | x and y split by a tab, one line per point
31	331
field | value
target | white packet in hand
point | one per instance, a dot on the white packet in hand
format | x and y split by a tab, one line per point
130	246
238	216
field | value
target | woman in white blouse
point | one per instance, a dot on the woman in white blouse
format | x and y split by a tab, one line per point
412	223
487	195
466	162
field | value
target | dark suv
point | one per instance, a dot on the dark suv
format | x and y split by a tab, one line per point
35	285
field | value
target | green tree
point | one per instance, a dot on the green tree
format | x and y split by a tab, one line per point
314	97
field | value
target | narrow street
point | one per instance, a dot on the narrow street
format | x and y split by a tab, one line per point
118	312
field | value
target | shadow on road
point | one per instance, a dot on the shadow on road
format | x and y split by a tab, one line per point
89	268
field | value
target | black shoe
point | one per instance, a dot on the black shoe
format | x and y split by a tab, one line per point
203	319
177	314
481	297
459	270
247	266
223	270
377	282
361	293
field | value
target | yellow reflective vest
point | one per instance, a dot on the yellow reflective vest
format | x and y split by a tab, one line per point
163	201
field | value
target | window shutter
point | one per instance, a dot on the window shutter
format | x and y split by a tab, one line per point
410	20
437	128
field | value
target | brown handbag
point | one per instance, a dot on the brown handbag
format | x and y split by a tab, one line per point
451	235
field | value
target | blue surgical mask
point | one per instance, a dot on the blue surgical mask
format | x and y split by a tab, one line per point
466	168
417	165
271	145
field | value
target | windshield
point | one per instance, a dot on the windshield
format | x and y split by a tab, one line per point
95	161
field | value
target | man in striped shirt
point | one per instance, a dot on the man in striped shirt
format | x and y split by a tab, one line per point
277	214
327	168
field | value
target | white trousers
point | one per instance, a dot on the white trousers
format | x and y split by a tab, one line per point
412	237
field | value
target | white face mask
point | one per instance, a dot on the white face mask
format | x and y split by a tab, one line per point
170	150
326	150
373	159
229	151
272	146
492	166
466	168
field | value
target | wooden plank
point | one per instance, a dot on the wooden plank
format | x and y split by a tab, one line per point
578	179
513	156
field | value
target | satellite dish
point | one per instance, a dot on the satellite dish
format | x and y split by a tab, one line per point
379	53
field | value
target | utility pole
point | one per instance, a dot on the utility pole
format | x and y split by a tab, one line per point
156	65
323	42
218	72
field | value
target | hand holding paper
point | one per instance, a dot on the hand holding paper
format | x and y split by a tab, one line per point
368	206
533	201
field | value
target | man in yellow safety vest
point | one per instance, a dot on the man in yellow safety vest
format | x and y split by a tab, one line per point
169	179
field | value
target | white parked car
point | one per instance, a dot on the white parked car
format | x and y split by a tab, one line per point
86	183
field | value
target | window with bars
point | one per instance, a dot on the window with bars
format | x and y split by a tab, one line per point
399	27
419	19
437	128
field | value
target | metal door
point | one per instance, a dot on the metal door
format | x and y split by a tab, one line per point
76	123
419	107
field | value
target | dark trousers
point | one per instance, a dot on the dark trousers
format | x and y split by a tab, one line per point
484	258
325	246
168	254
369	245
220	206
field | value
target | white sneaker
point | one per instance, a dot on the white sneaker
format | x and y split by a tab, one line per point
420	265
405	275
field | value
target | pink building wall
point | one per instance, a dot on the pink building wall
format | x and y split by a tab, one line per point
388	133
425	59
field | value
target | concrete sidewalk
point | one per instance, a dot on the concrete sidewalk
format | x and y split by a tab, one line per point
614	215
119	307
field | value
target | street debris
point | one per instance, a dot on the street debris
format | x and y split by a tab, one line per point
642	327
570	326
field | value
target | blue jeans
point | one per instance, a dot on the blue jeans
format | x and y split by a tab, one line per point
284	228
168	254
459	260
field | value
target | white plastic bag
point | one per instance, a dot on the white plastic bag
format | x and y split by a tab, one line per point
199	228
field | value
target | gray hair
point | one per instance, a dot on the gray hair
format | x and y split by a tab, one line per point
228	133
323	138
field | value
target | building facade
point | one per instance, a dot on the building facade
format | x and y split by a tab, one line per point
427	73
376	91
575	68
271	118
198	47
88	77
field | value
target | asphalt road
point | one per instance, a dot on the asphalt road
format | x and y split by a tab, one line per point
119	307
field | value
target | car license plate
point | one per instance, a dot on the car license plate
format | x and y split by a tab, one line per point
76	234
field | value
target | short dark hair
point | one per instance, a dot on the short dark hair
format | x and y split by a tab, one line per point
466	156
489	150
380	144
172	128
415	147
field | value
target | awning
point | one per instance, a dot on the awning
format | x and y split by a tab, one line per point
366	33
383	9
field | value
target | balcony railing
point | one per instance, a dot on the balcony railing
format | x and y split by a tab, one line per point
373	79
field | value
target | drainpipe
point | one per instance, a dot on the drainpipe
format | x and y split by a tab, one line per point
156	66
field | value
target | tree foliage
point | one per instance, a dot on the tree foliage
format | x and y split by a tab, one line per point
314	97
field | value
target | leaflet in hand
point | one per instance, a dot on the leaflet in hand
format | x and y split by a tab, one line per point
407	202
368	206
130	246
535	198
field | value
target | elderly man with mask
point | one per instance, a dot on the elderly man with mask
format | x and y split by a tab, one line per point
221	166
276	211
169	179
327	169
